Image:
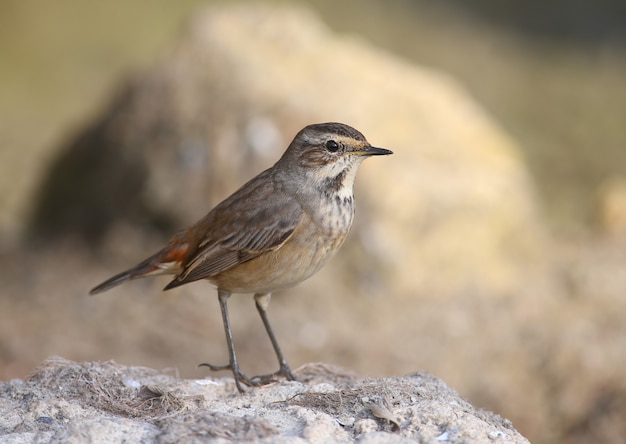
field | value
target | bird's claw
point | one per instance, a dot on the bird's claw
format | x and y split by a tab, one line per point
284	372
240	377
255	381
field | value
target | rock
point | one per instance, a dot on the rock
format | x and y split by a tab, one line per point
454	208
106	402
612	207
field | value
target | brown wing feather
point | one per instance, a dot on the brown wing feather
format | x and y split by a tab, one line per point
258	218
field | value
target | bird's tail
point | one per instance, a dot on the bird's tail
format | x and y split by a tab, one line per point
152	266
114	281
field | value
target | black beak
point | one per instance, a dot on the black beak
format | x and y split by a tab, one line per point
373	151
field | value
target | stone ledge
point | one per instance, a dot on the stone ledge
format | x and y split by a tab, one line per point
107	402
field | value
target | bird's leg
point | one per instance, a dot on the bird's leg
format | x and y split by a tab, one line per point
262	302
232	365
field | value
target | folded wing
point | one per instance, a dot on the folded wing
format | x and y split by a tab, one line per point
256	219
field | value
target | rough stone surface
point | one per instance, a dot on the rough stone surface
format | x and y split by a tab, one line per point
65	401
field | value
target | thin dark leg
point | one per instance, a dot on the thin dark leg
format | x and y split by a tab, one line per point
262	301
232	365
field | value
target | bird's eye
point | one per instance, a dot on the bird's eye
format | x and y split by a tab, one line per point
332	146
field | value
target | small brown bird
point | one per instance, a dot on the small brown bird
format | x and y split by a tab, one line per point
274	232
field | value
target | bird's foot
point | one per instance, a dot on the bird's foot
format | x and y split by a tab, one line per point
240	377
284	371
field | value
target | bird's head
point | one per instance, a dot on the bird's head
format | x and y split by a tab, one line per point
329	155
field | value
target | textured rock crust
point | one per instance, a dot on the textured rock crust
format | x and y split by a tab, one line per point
106	402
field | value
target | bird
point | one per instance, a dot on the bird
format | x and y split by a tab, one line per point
274	232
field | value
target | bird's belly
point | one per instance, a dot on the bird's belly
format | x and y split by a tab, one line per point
304	253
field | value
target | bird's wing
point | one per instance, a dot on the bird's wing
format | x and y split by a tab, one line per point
258	218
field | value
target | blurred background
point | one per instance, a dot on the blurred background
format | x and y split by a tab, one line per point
490	250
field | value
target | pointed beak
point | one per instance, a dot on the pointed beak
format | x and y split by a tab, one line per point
372	151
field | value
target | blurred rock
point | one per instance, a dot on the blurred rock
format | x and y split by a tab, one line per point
452	209
106	402
612	206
